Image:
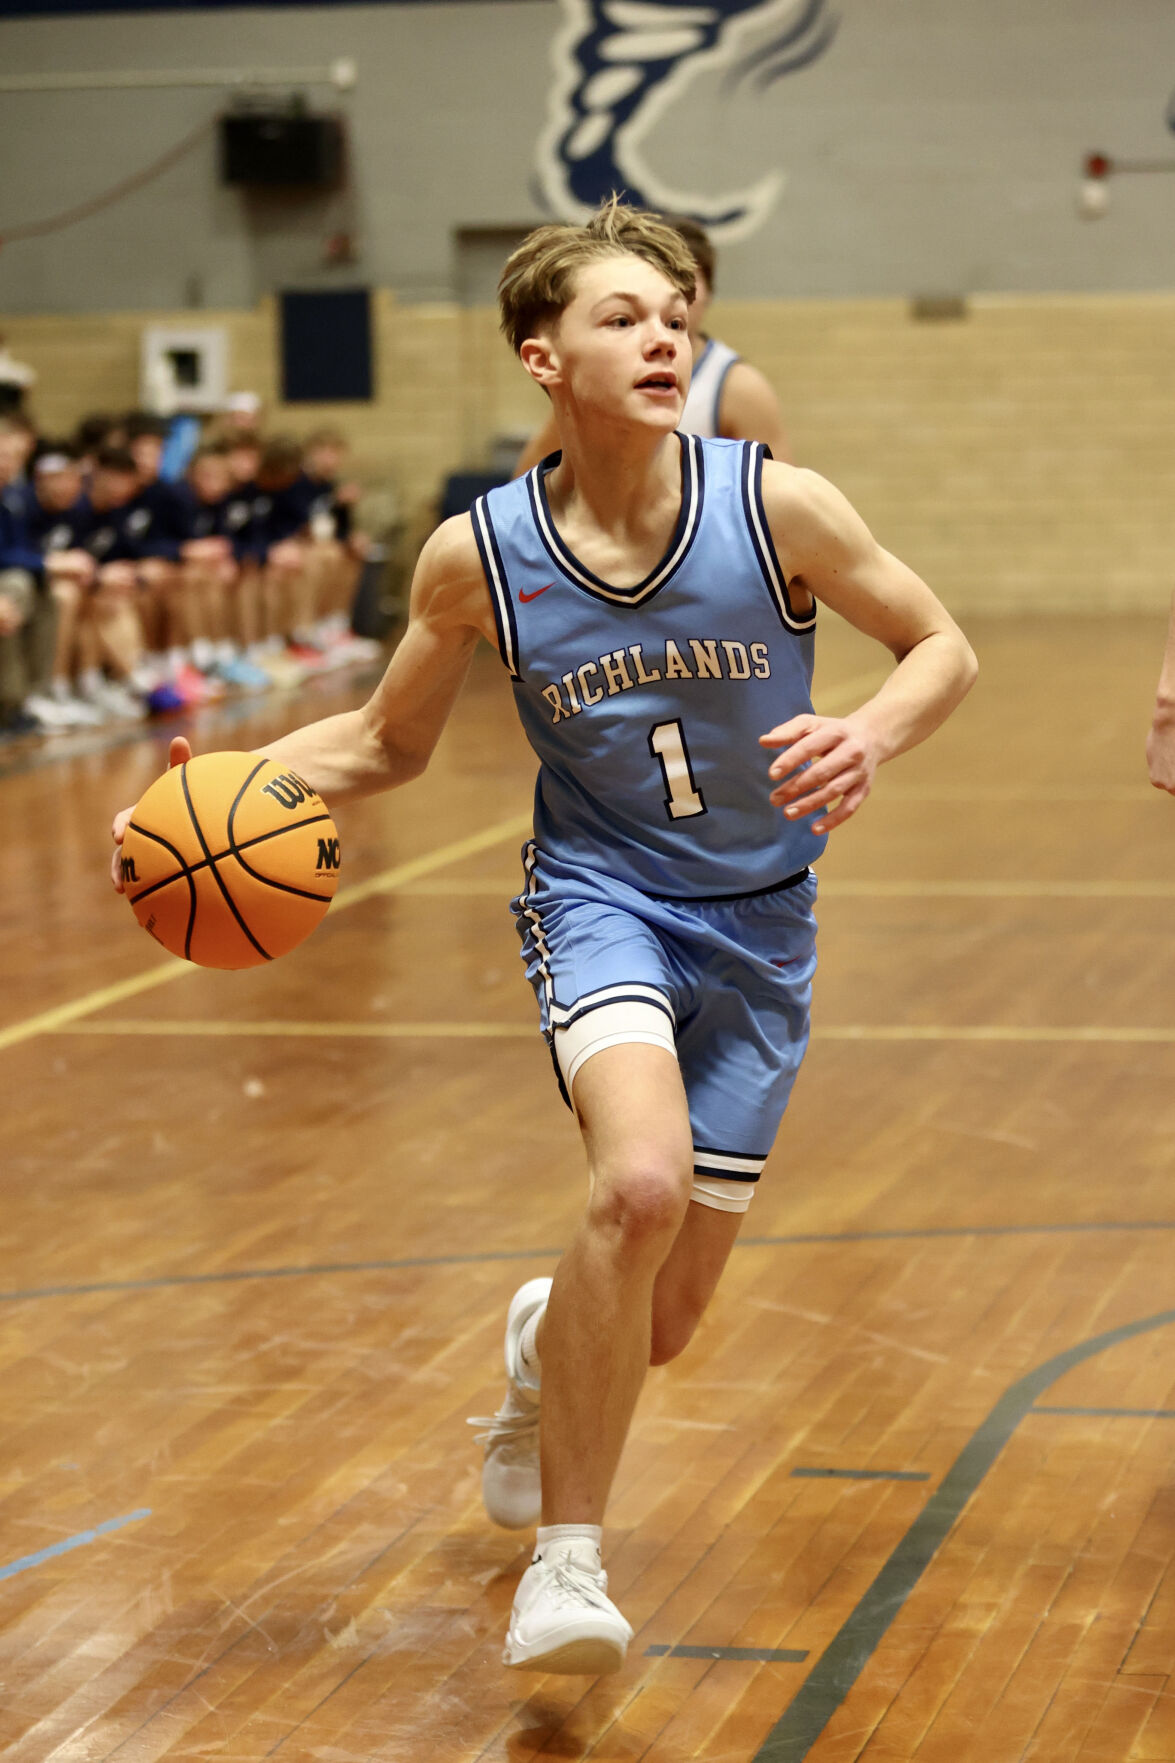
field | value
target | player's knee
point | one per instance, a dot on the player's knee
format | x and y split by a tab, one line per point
641	1206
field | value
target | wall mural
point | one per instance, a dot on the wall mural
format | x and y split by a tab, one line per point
619	64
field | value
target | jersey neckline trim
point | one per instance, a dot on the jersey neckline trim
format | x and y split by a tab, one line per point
685	531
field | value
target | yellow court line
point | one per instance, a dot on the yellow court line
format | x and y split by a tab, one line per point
407	1031
458	888
997	890
373	1031
53	1021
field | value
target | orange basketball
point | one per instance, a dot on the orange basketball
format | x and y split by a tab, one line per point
230	860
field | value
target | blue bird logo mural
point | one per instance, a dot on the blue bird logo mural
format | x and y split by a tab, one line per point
620	63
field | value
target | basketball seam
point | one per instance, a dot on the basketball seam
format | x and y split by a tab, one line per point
231	851
228	899
235	850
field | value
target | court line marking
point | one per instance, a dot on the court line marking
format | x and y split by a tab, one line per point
73	1542
1112	1413
765	1655
400	1031
387	881
235	1276
889	890
863	1474
853	1646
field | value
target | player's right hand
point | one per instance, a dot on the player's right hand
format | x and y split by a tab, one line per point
179	752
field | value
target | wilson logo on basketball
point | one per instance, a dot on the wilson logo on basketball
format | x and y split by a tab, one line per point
288	790
127	865
329	856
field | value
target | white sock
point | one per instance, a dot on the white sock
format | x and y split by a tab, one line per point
549	1535
528	1350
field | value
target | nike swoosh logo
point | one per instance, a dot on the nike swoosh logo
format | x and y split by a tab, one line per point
523	596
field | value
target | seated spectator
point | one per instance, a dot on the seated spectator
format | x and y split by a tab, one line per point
58	521
26	610
216	584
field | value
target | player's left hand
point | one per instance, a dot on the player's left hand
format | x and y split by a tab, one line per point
178	753
1160	752
825	762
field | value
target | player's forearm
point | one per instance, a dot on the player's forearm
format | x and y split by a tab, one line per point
344	757
930	681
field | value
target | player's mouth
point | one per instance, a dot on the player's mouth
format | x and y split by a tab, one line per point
662	383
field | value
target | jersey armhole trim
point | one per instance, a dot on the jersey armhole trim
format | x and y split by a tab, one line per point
499	587
761	540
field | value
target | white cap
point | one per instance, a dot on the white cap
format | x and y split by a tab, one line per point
244	403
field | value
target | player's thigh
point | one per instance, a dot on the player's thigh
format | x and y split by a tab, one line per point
632	1111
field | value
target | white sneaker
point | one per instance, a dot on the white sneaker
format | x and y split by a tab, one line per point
511	1485
57	716
563	1619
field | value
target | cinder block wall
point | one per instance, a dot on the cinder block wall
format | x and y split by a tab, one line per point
1020	456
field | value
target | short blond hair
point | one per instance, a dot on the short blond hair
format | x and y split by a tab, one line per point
538	282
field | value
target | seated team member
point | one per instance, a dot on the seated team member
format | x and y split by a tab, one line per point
214	581
26	612
132	616
653	598
338	548
727	396
58	523
281	540
92	434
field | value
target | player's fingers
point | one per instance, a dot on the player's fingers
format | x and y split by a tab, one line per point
844	810
806	801
179	752
787	732
813	746
830	768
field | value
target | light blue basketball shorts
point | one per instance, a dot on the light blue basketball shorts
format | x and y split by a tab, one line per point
725	984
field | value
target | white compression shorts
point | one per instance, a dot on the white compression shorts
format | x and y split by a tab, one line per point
623	1023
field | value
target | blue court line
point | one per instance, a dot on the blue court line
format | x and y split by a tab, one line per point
767	1655
868	1474
1111	1413
848	1653
165	1282
74	1542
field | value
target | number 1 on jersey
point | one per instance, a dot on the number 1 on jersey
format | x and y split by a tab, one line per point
667	743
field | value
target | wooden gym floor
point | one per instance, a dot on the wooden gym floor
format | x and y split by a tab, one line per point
910	1495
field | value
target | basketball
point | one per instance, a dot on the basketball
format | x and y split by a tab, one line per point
230	860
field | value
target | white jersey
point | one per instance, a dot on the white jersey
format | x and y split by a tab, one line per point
700	413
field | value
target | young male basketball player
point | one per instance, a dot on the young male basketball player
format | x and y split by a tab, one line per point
726	396
652	596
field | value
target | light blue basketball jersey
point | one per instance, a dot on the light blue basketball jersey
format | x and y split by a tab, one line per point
645	704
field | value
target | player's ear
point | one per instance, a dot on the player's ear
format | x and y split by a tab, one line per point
540	358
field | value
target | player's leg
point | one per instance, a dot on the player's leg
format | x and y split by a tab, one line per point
595	1339
740	1052
594	1344
688	1278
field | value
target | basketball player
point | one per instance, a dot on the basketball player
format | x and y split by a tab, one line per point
652	597
727	396
1160	742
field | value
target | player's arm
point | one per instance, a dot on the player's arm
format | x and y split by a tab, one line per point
390	740
749	410
543	441
825	547
1160	742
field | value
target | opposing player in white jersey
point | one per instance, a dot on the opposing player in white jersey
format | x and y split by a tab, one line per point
726	396
652	596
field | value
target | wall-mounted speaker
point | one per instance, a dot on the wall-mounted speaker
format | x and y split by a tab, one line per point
280	148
